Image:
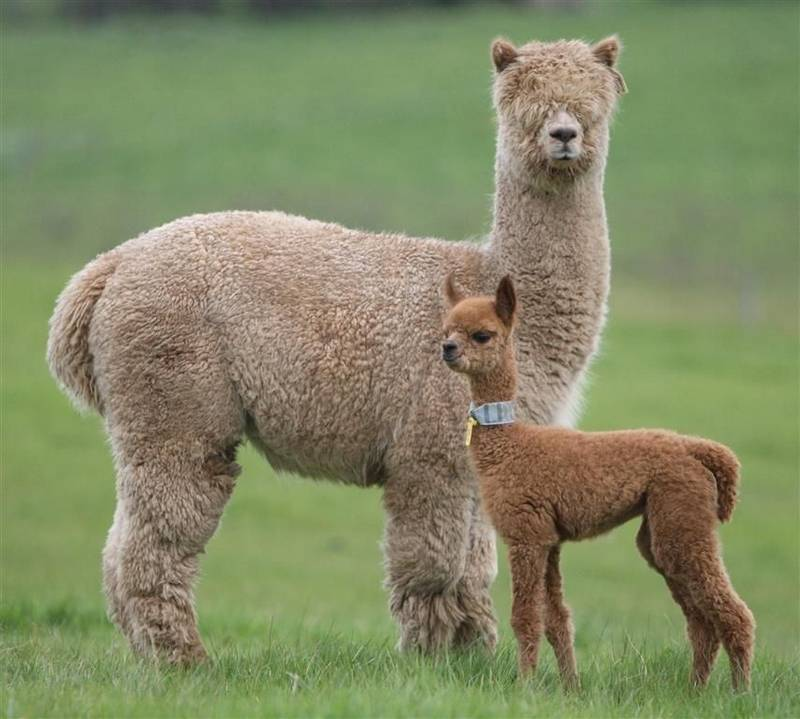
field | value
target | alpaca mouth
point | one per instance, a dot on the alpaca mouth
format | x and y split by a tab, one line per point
564	155
453	363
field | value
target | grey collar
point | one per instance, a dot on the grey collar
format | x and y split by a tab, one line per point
492	413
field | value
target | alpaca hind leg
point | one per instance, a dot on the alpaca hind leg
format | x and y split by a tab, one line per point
174	496
479	625
713	592
111	569
700	631
558	622
688	553
174	418
528	568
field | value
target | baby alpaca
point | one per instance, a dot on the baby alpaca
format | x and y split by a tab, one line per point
542	486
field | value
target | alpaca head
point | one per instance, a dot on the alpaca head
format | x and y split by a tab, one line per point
554	103
478	330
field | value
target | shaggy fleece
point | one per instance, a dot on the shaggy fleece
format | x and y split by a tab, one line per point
320	343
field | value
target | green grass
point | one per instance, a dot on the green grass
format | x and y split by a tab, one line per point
384	122
301	673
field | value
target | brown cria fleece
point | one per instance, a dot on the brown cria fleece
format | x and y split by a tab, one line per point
320	344
542	486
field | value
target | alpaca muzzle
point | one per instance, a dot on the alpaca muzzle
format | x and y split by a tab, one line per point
450	351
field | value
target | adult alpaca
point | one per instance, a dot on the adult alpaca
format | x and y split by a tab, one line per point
288	331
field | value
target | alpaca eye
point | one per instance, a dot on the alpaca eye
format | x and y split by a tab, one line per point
481	337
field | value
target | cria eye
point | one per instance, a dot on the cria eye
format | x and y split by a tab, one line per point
481	337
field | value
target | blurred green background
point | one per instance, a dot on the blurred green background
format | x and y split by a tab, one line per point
382	120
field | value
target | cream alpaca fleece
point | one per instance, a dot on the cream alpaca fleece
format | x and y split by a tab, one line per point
321	345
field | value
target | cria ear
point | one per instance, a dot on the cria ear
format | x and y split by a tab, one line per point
503	54
607	52
505	301
452	294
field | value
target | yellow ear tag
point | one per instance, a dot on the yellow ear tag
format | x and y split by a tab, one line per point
471	422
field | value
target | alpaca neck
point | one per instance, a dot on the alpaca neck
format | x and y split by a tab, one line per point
556	222
488	442
551	236
498	385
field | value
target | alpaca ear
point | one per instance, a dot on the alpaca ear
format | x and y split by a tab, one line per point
619	81
452	294
505	301
503	54
607	52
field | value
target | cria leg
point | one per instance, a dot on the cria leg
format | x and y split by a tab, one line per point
684	543
558	622
714	594
701	632
528	567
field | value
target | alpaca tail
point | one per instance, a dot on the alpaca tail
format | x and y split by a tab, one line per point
68	352
724	465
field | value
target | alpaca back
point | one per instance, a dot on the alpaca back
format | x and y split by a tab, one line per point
330	336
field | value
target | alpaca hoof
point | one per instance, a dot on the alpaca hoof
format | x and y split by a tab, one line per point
187	656
478	634
428	624
525	671
479	626
571	684
741	686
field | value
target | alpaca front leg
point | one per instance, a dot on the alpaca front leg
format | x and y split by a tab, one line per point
528	566
479	625
425	544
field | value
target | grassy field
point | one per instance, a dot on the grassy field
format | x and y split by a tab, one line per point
384	122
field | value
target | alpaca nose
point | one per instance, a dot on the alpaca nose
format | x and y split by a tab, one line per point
449	350
565	134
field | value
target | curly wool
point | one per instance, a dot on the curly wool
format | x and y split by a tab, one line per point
542	486
319	343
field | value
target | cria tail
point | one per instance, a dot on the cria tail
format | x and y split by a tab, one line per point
68	353
724	465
